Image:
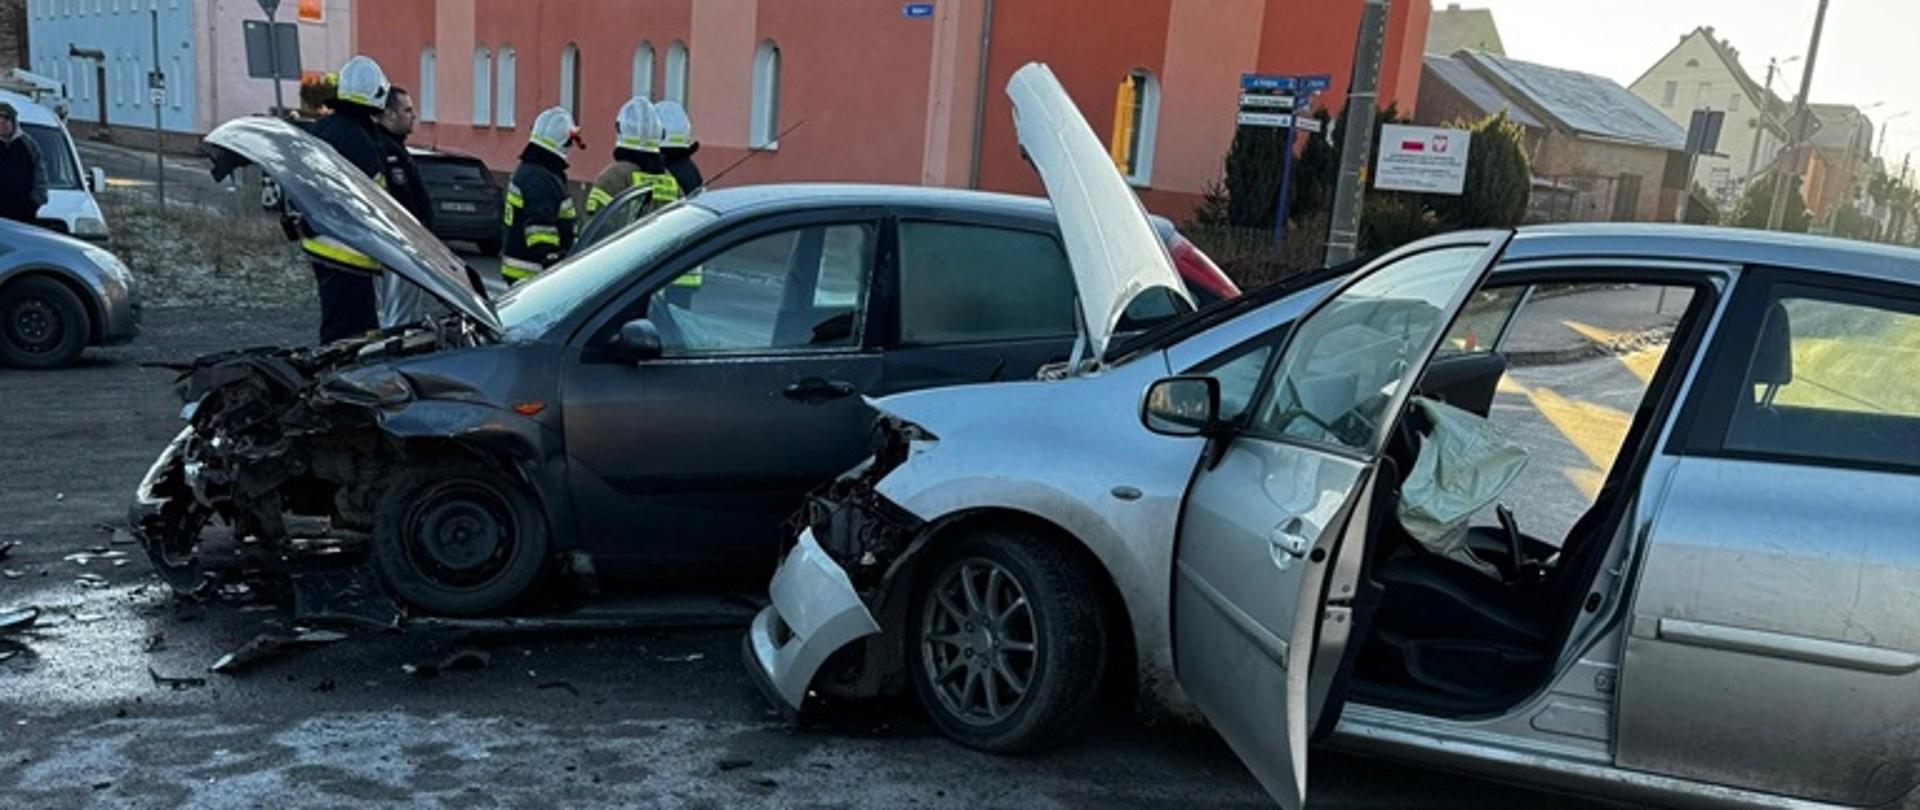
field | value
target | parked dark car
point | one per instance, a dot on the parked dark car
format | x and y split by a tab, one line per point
654	406
59	295
467	200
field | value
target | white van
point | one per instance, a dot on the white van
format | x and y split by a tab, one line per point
70	205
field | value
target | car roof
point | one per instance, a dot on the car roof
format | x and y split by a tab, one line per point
735	200
31	112
1745	246
435	152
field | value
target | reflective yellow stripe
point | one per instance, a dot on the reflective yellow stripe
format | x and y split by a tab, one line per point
380	180
596	198
333	251
518	269
566	209
514	199
689	279
542	239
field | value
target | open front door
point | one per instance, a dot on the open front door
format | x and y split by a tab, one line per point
1262	529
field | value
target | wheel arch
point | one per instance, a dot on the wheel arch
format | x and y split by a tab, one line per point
433	427
89	299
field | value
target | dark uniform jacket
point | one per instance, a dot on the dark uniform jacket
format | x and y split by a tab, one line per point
402	178
540	217
632	167
23	180
347	306
680	164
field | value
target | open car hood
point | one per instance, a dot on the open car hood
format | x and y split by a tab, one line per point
1110	241
340	201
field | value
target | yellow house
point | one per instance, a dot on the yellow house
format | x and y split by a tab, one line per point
1704	72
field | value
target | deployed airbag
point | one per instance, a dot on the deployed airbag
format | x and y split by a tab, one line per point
1465	462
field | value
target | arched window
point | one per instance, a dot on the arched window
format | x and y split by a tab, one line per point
1136	115
765	123
643	70
424	103
482	86
504	71
676	89
570	79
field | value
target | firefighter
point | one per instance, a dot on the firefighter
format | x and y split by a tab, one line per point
634	128
677	146
344	275
540	217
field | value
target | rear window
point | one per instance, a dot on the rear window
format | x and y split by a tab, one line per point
56	157
442	171
970	283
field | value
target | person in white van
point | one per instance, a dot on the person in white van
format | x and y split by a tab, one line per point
23	182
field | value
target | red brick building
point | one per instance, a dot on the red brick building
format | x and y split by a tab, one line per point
880	90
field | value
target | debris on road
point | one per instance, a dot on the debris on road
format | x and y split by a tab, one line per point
346	596
267	646
12	574
734	764
459	660
682	659
92	554
566	686
174	683
155	643
91	581
7	547
18	618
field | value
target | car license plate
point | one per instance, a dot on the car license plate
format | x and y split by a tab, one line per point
460	207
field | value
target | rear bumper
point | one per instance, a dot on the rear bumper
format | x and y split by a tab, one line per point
814	612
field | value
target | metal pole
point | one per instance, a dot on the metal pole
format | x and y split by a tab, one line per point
980	95
1356	145
273	55
159	134
1796	140
1766	117
1686	190
1281	204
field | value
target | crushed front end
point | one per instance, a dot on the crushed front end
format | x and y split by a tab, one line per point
848	543
282	448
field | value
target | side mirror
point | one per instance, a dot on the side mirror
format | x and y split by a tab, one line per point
96	180
638	340
1182	406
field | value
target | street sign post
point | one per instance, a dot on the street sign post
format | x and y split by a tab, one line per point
1268	100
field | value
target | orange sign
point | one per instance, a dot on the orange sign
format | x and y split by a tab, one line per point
313	11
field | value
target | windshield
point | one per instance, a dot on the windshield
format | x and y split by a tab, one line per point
56	157
534	306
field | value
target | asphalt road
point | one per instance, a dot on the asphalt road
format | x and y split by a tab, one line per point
642	718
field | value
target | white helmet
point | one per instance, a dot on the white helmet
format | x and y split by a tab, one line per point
554	131
638	125
362	82
677	129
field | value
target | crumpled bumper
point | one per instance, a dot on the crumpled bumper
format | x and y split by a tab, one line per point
814	612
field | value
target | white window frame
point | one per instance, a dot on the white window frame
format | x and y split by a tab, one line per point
677	68
505	83
428	91
1146	127
764	127
570	79
643	70
482	86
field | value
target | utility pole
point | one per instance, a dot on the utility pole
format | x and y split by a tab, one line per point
156	90
1766	113
1363	92
1797	138
1881	150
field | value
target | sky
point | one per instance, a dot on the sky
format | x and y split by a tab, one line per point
1869	52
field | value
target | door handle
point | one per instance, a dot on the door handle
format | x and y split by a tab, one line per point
1288	543
815	390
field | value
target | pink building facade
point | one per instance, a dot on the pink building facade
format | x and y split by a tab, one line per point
868	90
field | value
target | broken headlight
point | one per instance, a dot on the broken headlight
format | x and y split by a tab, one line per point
372	386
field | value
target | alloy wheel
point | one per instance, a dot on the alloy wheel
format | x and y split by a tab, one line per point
979	641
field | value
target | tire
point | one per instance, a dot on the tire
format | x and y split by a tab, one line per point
1066	633
458	537
42	323
488	247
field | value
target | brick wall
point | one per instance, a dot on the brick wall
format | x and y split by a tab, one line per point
1600	165
13	33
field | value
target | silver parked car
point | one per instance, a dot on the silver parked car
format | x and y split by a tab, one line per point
1734	618
59	295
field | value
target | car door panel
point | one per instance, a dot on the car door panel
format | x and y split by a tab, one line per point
1266	527
1467	381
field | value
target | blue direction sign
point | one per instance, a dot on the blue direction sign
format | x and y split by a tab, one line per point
1272	100
916	11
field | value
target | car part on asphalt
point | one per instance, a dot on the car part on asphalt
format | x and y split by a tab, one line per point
267	646
12	619
459	660
175	683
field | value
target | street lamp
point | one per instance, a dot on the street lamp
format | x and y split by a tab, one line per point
1881	149
1774	64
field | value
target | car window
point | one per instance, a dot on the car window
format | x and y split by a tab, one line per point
1238	371
538	304
1832	376
1482	321
1347	361
786	291
55	157
969	283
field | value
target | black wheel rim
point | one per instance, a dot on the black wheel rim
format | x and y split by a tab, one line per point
461	534
35	326
979	641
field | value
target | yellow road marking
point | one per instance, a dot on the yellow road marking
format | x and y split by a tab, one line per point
1603	337
1587	481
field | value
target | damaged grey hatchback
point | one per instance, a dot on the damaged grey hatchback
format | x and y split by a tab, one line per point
652	408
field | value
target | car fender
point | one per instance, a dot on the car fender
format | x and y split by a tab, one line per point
525	443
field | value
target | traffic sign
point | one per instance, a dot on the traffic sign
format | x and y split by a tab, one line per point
1266	101
1307	124
916	11
1703	131
1261	119
271	7
1803	126
156	80
157	95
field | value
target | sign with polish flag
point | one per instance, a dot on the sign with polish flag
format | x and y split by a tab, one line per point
1429	160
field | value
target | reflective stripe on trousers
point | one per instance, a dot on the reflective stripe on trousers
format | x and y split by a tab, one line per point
513	269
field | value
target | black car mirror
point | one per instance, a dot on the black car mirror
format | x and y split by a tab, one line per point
1182	406
638	340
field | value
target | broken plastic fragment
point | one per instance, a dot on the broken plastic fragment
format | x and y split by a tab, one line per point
173	683
459	660
17	618
266	646
7	547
